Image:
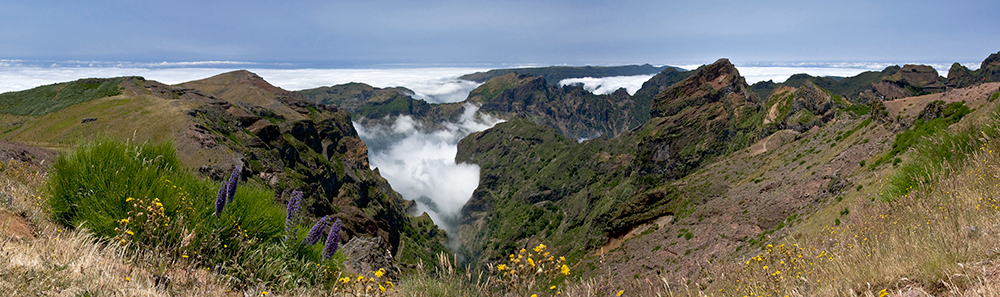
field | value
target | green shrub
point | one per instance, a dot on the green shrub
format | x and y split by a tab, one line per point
139	196
936	152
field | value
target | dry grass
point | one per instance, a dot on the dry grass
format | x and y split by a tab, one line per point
54	261
940	239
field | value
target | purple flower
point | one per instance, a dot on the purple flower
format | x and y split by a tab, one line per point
233	179
290	218
332	240
317	231
220	199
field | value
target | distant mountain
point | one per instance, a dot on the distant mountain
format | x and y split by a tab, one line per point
571	110
554	74
848	87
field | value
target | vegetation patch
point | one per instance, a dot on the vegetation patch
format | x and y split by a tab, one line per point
49	98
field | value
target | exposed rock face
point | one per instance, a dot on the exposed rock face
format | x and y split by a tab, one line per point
709	113
291	143
922	77
911	80
990	69
539	186
368	254
813	99
959	76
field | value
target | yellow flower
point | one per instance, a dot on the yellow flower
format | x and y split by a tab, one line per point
620	292
128	279
561	258
882	293
531	262
361	278
129	199
381	289
129	232
501	267
539	248
552	288
379	273
184	256
534	295
565	269
124	221
264	293
345	279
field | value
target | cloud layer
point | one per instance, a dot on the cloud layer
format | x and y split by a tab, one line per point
436	85
608	85
421	166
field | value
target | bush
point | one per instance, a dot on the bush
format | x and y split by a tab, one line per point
139	196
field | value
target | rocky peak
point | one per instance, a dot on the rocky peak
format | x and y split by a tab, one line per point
709	113
710	83
990	69
959	76
920	76
812	98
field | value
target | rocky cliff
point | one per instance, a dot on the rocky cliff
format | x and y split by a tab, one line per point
539	186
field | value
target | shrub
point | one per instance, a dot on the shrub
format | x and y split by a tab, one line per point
138	196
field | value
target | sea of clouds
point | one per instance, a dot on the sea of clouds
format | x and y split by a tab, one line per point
420	164
435	85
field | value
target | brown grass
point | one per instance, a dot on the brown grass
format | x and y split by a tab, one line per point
940	240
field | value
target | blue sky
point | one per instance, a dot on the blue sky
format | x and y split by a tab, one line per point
365	33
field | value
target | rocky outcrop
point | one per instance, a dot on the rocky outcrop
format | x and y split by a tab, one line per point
911	80
366	255
293	144
959	76
711	112
989	71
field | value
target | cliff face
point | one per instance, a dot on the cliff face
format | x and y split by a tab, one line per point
539	186
710	113
291	143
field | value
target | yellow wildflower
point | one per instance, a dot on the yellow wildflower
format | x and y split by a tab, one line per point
565	269
379	273
531	262
501	267
129	199
539	248
620	292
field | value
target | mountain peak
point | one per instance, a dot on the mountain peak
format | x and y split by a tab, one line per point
720	77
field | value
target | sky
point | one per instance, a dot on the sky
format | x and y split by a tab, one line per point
348	34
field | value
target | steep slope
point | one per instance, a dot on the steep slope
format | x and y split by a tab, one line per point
371	106
538	186
571	110
280	140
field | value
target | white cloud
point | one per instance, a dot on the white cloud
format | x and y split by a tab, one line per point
608	85
436	85
421	166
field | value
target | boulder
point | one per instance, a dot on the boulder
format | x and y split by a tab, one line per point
365	255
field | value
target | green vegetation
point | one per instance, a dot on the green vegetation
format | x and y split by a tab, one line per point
953	112
49	98
138	196
938	150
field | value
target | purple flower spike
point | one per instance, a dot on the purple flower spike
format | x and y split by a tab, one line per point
291	220
233	179
332	240
317	231
220	199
